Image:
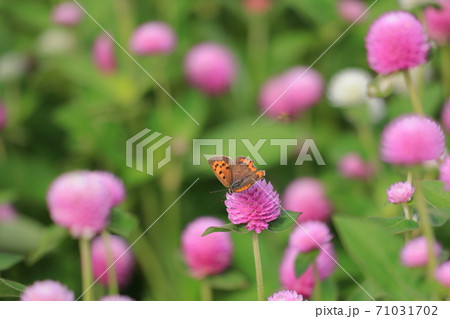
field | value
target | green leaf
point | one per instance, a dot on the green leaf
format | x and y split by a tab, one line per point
376	251
7	260
436	196
437	217
240	228
51	238
229	280
10	288
396	225
121	222
284	221
304	260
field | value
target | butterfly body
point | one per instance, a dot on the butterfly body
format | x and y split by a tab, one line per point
237	175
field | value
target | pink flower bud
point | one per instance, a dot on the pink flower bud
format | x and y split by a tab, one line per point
208	255
121	255
415	253
443	274
353	166
400	192
7	212
210	67
351	10
153	38
47	290
257	6
67	13
103	54
396	41
438	21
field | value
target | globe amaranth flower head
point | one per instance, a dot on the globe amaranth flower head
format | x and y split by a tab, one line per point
438	21
153	38
103	54
310	235
67	13
415	253
444	173
400	192
116	298
353	166
120	253
349	87
208	255
396	41
255	207
113	184
291	93
286	295
442	274
307	196
210	67
47	290
304	283
412	139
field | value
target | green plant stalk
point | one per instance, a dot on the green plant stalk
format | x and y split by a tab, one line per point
86	269
426	227
415	100
205	290
258	267
407	213
445	64
113	284
257	43
317	288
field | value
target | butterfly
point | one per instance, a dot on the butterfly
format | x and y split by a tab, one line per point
236	175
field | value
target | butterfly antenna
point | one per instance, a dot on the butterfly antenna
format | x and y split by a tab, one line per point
219	190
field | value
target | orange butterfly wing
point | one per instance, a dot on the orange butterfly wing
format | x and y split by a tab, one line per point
221	167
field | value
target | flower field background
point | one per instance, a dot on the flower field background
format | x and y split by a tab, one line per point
376	102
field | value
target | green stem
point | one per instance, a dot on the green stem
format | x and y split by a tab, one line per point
445	64
258	267
86	269
417	105
317	288
257	43
427	229
407	213
113	285
205	290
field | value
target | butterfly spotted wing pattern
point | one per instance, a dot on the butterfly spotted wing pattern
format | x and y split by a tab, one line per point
237	175
221	166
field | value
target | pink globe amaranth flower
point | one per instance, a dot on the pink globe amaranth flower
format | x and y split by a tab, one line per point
445	116
438	21
153	38
7	212
444	173
442	274
304	283
113	184
400	192
255	207
208	255
103	54
3	116
353	166
396	41
79	201
411	139
47	290
291	93
351	10
210	67
116	298
123	257
309	236
307	196
257	6
67	13
286	295
415	254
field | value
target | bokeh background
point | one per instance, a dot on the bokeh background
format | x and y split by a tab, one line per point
64	114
